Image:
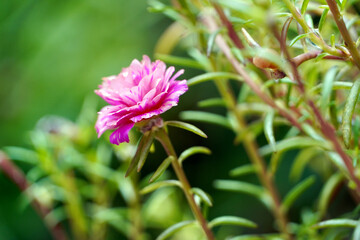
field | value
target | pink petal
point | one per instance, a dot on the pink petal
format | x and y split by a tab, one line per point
121	134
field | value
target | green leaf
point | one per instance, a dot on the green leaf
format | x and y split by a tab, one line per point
203	196
167	183
161	169
272	82
191	151
332	40
271	236
100	170
174	60
336	85
157	6
211	76
248	237
304	6
327	87
296	192
309	20
243	170
174	228
321	56
116	217
238	186
231	220
356	234
310	131
145	151
269	129
253	108
343	4
275	161
245	91
212	102
349	111
334	223
237	53
186	126
200	58
338	162
21	154
295	143
206	117
323	18
328	191
301	160
297	38
211	41
141	151
253	129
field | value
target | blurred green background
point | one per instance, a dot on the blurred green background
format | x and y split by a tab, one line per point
54	53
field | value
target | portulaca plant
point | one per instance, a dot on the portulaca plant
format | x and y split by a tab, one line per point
287	78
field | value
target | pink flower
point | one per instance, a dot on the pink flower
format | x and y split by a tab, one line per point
139	92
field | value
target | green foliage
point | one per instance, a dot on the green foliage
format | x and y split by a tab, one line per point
161	169
231	220
186	126
292	111
142	151
173	229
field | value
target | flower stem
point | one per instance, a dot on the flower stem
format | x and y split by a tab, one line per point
164	139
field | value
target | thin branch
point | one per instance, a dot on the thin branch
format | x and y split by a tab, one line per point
350	44
326	128
225	21
164	139
210	22
298	60
18	177
250	146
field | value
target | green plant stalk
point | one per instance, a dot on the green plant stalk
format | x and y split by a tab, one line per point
98	227
135	205
252	151
211	24
311	34
164	139
73	205
350	44
326	128
72	202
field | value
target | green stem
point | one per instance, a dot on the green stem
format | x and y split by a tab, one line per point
252	151
73	204
311	34
344	32
163	137
135	205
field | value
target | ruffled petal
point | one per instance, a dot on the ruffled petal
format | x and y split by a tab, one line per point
141	91
121	134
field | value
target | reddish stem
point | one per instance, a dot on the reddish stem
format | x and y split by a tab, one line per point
232	34
18	177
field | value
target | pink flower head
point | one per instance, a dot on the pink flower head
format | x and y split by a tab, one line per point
139	92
